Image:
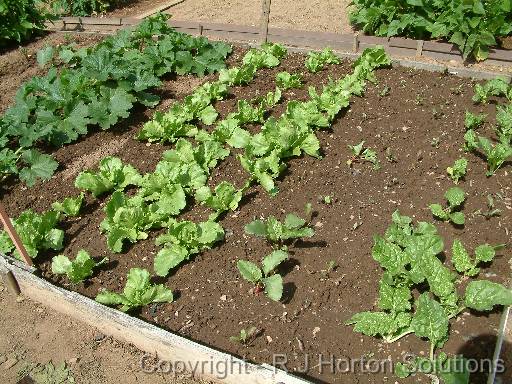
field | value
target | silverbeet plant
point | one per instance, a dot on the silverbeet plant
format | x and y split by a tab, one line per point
76	270
264	278
277	232
138	292
411	257
455	197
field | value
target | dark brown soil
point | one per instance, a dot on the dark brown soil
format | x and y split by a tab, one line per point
214	303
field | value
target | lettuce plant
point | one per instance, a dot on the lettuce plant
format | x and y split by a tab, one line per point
286	80
225	197
264	278
182	240
70	206
38	232
112	174
316	61
76	270
137	292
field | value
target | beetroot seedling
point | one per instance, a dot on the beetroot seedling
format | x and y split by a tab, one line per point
264	278
361	154
246	336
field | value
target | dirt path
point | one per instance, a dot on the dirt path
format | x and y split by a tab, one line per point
314	15
33	335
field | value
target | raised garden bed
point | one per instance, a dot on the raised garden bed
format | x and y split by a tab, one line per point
414	120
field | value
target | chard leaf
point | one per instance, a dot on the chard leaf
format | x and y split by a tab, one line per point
430	320
483	295
394	299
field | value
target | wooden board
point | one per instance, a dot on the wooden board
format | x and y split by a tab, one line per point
205	361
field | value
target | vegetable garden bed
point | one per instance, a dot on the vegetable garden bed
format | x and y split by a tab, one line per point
412	125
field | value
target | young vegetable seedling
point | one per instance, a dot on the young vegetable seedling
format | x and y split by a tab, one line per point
263	278
458	170
496	154
70	206
138	292
316	61
491	211
455	197
465	265
276	232
472	121
286	80
76	270
360	154
245	336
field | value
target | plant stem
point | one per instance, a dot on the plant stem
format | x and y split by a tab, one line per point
396	338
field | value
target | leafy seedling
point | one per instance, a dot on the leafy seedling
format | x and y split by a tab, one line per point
491	210
361	154
316	61
264	279
70	206
76	270
113	174
286	80
51	374
330	267
225	197
390	156
435	142
458	170
455	197
468	266
496	154
472	121
385	91
327	200
245	336
138	292
276	232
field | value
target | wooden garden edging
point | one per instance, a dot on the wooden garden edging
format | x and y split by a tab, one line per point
198	359
350	43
